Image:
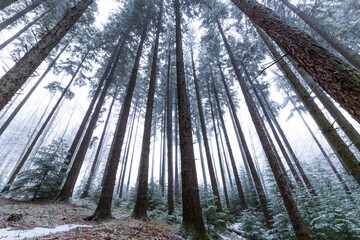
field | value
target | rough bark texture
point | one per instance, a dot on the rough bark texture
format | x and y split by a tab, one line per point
296	219
346	157
41	130
142	189
103	209
213	182
68	187
20	14
232	159
24	29
89	180
6	3
12	81
28	95
192	214
337	78
345	125
259	187
345	51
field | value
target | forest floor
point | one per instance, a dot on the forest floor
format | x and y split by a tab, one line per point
49	214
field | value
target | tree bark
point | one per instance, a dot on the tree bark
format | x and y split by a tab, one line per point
344	50
28	95
68	187
176	134
192	214
140	207
337	78
296	219
103	209
248	158
198	138
227	141
347	158
213	182
24	29
20	14
12	81
6	3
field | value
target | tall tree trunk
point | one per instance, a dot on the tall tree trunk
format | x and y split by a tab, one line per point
154	124
68	187
296	219
344	50
41	130
248	158
224	154
222	172
24	29
89	180
347	158
345	125
20	14
198	138
192	214
103	209
140	207
270	117
28	95
339	79
12	81
169	103
176	134
164	150
214	185
232	159
6	3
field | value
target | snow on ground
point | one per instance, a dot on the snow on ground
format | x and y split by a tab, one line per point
8	233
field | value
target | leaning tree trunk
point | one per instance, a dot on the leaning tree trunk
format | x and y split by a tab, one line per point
345	125
222	172
24	29
20	14
28	95
43	127
214	185
142	189
192	214
344	50
68	187
6	3
347	158
338	78
301	231
227	141
259	187
89	180
12	81
103	209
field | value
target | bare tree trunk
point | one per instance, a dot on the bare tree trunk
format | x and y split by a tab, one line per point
339	79
28	95
192	214
344	50
68	187
103	209
214	185
248	158
296	219
224	154
12	81
176	134
20	14
24	29
347	158
198	138
6	3
227	141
